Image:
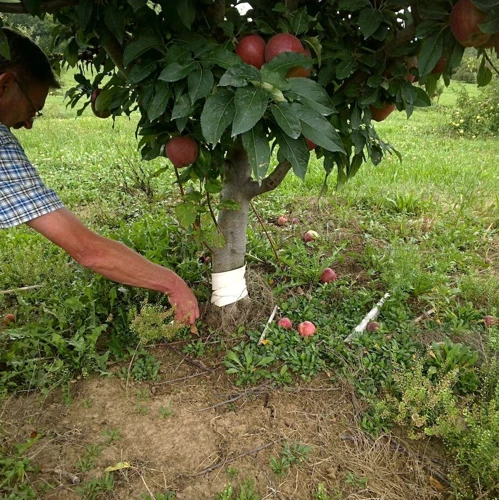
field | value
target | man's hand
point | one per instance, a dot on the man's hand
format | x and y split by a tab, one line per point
185	304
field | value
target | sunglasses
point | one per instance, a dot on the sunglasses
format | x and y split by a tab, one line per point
38	113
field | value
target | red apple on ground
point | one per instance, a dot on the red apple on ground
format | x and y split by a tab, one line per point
310	236
440	66
181	151
106	113
372	326
328	275
251	49
306	329
464	21
490	321
282	221
310	145
379	114
285	323
8	319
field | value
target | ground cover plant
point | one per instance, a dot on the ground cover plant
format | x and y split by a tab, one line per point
425	231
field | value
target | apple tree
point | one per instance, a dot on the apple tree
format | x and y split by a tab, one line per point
222	86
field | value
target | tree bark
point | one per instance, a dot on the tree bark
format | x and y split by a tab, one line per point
234	223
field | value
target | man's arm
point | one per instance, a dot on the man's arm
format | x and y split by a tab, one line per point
116	261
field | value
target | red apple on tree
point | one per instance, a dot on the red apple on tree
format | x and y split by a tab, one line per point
328	275
440	66
251	49
379	114
285	42
310	145
106	113
464	23
182	151
300	71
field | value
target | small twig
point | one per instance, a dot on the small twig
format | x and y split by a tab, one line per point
425	315
225	462
311	389
262	336
179	183
212	213
197	364
147	487
235	398
266	233
22	289
490	62
130	368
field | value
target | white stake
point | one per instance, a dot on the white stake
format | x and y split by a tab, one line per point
371	316
262	336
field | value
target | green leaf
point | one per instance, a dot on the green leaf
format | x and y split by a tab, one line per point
282	63
115	21
295	151
317	128
217	115
32	6
84	12
484	75
491	23
200	83
71	53
223	58
239	76
141	44
430	53
159	102
352	5
137	4
427	28
276	80
175	71
257	146
312	94
213	186
299	21
369	21
345	68
486	5
287	119
186	213
104	99
187	12
182	107
140	71
4	45
250	104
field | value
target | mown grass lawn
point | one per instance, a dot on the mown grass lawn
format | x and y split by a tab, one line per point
424	230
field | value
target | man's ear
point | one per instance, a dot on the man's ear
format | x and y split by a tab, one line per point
6	80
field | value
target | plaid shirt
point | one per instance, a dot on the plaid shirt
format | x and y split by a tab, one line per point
23	196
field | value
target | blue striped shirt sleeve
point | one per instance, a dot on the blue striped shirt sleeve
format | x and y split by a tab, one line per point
23	195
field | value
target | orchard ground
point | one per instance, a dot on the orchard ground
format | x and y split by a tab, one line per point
168	419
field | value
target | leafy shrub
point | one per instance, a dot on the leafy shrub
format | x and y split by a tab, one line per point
474	116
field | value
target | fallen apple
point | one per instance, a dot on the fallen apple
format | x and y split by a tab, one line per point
464	23
328	275
310	236
8	319
181	151
282	221
372	326
490	321
285	323
251	49
306	329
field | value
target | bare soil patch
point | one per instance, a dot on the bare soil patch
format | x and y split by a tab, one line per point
194	434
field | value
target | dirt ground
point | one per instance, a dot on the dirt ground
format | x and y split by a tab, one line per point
194	432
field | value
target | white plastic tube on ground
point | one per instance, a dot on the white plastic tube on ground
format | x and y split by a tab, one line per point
228	287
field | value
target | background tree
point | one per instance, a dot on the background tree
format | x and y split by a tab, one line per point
177	63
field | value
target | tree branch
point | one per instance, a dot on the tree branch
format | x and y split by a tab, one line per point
115	52
48	6
270	182
218	11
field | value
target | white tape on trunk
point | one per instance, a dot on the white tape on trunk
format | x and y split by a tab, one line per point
228	287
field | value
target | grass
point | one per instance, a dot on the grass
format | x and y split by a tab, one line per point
424	230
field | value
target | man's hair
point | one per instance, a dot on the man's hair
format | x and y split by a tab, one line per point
27	60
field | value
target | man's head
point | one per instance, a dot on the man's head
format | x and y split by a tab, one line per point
25	80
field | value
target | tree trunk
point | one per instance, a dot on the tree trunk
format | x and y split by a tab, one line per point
233	225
